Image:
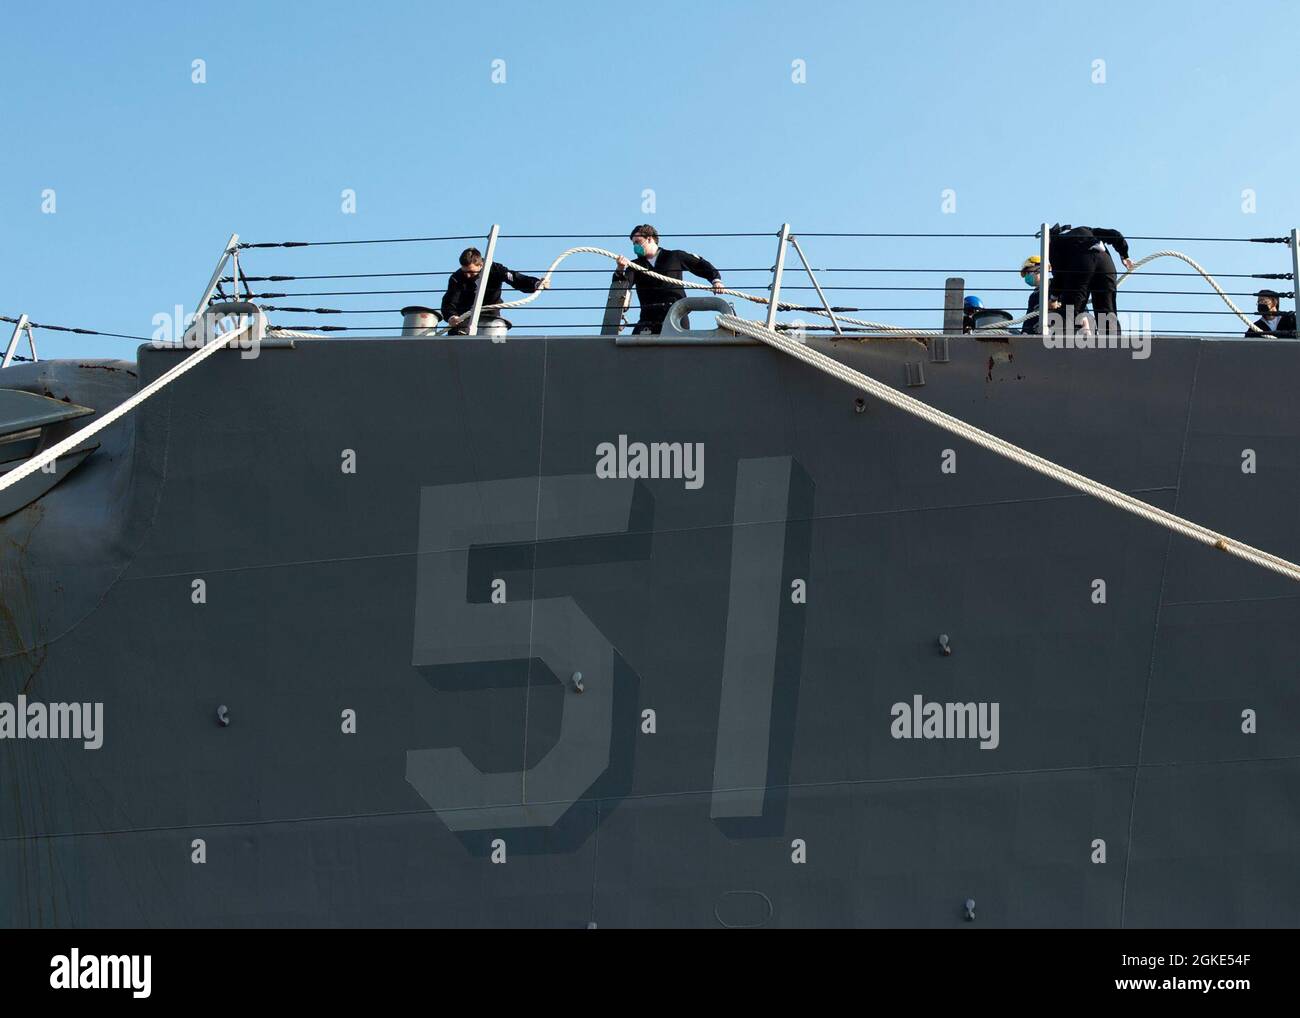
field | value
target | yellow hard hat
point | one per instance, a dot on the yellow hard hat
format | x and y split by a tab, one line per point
1031	264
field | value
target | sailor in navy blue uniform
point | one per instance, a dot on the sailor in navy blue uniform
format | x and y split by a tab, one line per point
1272	322
458	301
1083	268
656	296
1030	269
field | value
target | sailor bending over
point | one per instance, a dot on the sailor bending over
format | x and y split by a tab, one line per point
458	301
1083	268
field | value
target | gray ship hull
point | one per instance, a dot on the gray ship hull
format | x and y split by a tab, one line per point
412	538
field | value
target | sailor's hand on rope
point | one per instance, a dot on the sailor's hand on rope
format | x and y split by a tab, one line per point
544	284
717	286
455	320
1128	264
623	262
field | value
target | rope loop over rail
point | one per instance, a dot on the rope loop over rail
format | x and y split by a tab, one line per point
1207	277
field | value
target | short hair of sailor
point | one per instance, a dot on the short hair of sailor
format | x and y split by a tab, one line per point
471	256
645	230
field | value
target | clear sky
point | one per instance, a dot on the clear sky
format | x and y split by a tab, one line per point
996	102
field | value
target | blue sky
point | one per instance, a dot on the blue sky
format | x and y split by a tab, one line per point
152	172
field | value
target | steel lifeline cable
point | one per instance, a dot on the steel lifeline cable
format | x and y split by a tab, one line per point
872	326
829	366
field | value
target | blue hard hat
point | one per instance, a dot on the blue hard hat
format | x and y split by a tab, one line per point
972	302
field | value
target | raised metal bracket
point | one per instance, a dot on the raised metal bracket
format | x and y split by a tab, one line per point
231	249
816	286
24	325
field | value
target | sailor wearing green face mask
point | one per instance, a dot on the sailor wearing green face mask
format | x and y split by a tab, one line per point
1029	272
654	295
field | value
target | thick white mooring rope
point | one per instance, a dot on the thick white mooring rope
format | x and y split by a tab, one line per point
1208	278
121	410
294	334
1047	468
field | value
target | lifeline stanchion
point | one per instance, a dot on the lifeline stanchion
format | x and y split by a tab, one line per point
778	270
1295	268
232	246
830	311
483	276
1044	273
11	351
